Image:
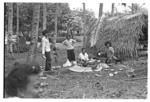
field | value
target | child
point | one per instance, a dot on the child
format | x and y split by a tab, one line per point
83	57
54	50
46	50
110	52
55	55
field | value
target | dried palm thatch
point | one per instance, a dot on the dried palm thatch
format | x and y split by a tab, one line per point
123	31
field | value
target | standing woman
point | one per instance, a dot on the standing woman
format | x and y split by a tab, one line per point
69	43
46	51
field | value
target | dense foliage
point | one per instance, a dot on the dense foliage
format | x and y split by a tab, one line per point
66	18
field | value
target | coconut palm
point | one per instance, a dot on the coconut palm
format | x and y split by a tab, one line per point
10	27
35	27
44	16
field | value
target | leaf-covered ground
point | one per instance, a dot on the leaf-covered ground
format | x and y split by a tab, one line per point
64	83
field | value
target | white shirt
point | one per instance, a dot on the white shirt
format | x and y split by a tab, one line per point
84	56
112	49
45	45
110	52
69	43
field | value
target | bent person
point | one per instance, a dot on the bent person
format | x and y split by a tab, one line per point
110	52
83	57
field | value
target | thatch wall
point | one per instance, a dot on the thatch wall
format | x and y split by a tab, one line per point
123	31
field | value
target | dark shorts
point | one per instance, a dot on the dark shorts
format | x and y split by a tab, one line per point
48	61
71	55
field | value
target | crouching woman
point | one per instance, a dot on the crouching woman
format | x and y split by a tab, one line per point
110	53
83	58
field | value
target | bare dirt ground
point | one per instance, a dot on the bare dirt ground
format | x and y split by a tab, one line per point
67	84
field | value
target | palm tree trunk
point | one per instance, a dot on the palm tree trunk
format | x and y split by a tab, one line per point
17	31
6	26
56	20
100	10
10	25
5	17
10	18
35	27
112	9
44	16
132	8
84	37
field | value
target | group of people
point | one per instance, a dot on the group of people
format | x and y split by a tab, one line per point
48	47
83	57
110	55
23	80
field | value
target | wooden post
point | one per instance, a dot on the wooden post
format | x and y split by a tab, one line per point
112	9
100	10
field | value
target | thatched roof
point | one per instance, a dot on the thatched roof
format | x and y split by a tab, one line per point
123	31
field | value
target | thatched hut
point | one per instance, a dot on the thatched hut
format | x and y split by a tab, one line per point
123	31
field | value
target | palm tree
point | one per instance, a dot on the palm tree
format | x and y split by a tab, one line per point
10	26
84	37
56	20
35	27
17	31
112	9
10	18
44	16
100	9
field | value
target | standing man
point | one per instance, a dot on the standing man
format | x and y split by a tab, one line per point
46	51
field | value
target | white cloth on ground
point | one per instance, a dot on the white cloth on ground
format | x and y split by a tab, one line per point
99	67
